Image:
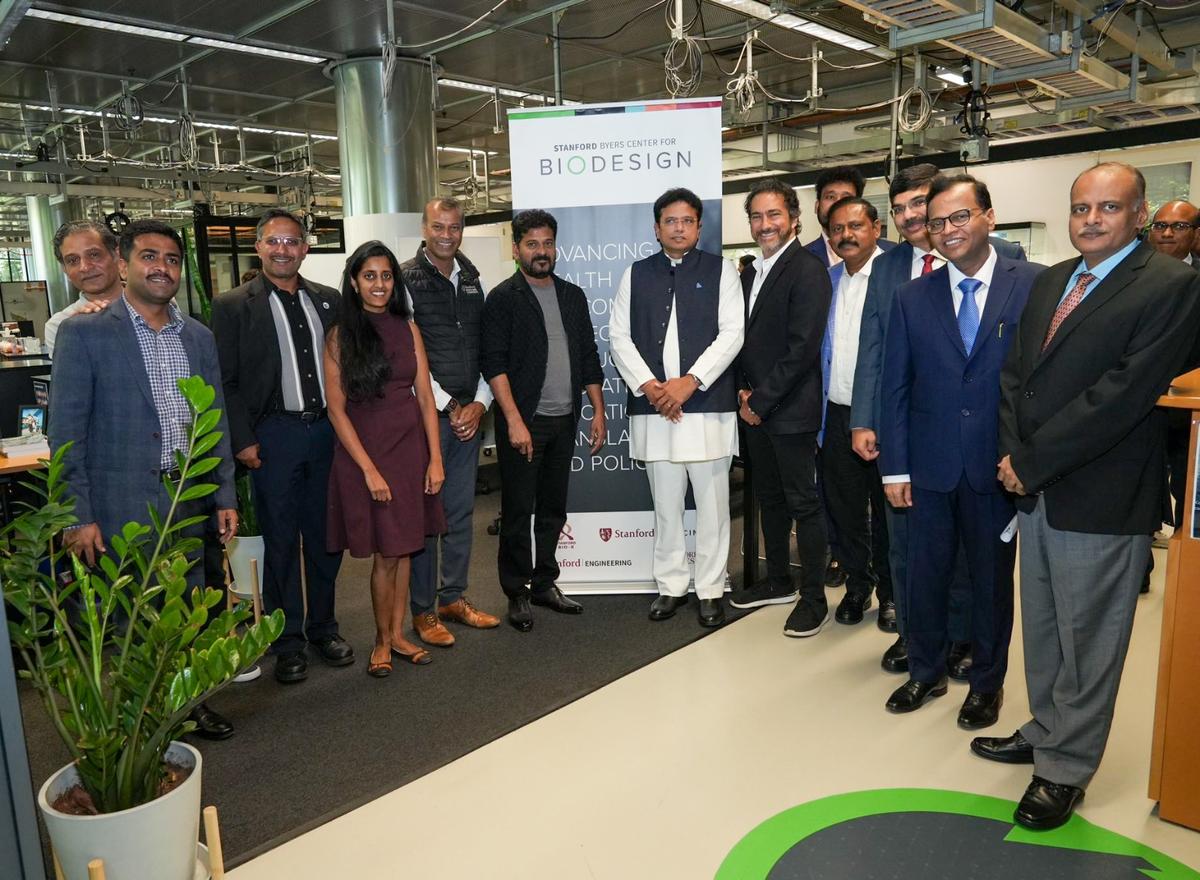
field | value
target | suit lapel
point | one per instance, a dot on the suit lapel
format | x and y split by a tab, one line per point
998	295
132	352
1117	280
262	324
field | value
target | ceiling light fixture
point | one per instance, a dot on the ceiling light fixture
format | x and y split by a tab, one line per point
173	36
483	88
950	76
804	26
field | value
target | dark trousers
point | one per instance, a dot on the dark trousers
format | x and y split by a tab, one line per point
784	471
1179	426
534	490
959	623
854	499
461	463
290	492
939	522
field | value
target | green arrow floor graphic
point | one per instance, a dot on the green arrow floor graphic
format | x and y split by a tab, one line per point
927	834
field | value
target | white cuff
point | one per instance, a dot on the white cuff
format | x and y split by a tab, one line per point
896	478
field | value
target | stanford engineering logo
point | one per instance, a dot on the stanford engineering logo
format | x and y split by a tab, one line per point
605	535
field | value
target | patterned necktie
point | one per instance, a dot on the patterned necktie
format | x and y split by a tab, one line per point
968	312
1070	301
928	267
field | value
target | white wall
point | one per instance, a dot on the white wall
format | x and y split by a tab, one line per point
1029	191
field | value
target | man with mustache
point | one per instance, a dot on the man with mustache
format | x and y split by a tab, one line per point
117	402
912	258
538	354
271	338
1082	447
87	252
787	295
851	485
948	337
446	298
676	327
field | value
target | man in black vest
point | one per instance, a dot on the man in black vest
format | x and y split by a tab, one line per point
676	327
446	297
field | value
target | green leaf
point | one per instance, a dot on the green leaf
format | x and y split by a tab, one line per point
205	423
198	490
203	466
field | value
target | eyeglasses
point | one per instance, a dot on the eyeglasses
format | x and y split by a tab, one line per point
1177	226
281	241
913	205
684	222
958	218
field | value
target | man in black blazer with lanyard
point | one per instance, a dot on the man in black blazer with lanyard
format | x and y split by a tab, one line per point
1081	444
787	302
270	339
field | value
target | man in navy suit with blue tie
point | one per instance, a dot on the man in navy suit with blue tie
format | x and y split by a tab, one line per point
946	344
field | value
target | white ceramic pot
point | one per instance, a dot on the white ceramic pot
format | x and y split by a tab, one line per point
241	550
156	840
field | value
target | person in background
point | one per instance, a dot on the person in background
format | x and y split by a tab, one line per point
387	464
87	252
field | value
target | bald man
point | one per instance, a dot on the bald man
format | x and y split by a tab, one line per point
1173	229
1082	447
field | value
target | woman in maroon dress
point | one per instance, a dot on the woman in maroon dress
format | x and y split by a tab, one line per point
387	464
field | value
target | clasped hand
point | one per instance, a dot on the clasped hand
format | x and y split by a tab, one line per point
670	396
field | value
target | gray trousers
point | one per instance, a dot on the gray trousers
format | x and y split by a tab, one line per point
461	463
1078	595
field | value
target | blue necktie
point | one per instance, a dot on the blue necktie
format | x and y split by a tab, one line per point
968	312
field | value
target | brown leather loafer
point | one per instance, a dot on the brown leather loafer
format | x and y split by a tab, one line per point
431	630
462	611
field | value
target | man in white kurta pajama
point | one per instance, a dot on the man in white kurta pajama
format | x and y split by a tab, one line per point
676	326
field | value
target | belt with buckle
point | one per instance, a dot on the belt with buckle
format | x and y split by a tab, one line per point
308	416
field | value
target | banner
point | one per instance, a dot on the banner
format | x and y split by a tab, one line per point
598	170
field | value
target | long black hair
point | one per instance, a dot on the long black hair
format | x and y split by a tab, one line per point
365	370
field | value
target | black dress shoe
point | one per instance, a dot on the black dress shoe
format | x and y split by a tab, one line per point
666	606
850	609
835	575
912	695
1046	804
291	666
895	658
958	661
1013	749
980	710
335	651
210	724
552	598
887	616
712	613
519	613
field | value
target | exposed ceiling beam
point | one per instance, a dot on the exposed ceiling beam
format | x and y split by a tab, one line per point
1124	32
11	13
462	40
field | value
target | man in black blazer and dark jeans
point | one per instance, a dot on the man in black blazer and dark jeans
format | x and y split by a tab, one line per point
538	353
787	303
270	339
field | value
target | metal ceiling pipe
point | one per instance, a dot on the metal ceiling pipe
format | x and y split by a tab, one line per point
387	148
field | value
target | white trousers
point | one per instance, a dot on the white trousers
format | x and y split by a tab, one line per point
710	487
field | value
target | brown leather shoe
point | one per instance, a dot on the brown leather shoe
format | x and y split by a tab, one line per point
431	630
462	611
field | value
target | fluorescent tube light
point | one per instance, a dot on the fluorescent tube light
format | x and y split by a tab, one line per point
105	25
256	50
950	77
803	26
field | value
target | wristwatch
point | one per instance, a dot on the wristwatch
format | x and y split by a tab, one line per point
695	379
451	407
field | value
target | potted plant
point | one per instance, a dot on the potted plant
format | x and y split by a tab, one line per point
248	544
120	655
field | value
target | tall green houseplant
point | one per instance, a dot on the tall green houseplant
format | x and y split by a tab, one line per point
121	655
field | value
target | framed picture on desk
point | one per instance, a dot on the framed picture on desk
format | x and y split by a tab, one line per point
31	418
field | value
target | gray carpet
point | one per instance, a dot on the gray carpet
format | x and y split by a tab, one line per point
306	753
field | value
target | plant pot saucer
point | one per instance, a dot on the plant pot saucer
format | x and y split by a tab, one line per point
203	865
250	674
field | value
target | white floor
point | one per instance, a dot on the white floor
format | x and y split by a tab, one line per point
659	774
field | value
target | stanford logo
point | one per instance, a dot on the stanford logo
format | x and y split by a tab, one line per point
605	535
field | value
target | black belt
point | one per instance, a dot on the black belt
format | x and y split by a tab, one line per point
308	417
173	474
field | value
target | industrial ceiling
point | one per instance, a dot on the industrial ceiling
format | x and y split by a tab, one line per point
163	104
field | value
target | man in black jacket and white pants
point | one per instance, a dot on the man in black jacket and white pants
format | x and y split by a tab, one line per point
538	353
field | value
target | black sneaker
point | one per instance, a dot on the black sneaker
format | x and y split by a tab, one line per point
850	609
764	593
805	621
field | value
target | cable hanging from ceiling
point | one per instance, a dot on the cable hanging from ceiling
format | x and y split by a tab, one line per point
683	61
461	30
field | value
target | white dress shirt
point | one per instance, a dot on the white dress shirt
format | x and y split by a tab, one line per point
483	391
985	275
697	436
762	268
847	321
833	255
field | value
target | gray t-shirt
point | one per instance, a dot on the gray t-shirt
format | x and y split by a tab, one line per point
556	399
